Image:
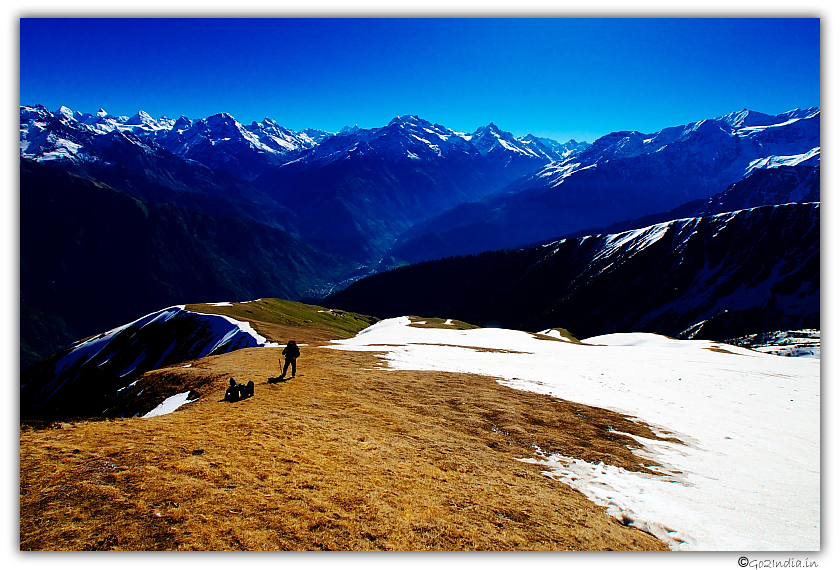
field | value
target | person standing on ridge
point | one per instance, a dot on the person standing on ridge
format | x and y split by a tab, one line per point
291	352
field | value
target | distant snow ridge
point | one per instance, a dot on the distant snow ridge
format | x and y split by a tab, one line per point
810	158
66	135
733	145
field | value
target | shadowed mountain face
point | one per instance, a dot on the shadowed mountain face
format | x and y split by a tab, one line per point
95	257
711	277
762	187
355	194
92	377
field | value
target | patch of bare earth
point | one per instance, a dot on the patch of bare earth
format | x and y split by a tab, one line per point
343	457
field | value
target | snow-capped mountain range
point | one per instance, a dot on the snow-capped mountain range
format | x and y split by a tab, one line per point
220	141
726	149
371	199
623	176
362	192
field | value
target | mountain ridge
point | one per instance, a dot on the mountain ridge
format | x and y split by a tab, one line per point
86	245
366	200
710	277
620	176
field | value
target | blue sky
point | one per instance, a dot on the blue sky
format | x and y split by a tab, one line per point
562	78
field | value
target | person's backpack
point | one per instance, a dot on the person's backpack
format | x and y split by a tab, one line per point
232	394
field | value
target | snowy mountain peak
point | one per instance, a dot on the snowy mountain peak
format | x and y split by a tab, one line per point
316	135
266	122
748	118
348	130
222	119
553	149
492	140
405	119
182	123
141	118
65	112
492	129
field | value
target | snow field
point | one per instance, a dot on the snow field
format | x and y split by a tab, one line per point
746	476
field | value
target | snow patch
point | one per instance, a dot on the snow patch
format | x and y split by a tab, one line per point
170	404
812	156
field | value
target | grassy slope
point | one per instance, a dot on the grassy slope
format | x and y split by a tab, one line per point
279	320
345	456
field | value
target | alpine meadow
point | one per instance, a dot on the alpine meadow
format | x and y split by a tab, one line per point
530	328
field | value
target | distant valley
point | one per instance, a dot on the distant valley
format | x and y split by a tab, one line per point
123	216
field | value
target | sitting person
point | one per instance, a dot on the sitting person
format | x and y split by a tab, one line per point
238	392
233	393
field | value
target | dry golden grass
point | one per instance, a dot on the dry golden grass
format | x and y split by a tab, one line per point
341	458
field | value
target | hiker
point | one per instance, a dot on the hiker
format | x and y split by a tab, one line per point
291	352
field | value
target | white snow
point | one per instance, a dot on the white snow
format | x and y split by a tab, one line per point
170	404
745	477
812	155
246	328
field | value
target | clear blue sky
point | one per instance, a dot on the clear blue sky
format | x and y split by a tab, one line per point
562	78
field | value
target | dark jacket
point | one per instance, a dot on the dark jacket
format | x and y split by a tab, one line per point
291	351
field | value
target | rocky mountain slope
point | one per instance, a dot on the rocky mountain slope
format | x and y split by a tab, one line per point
356	192
621	176
236	211
713	277
93	257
